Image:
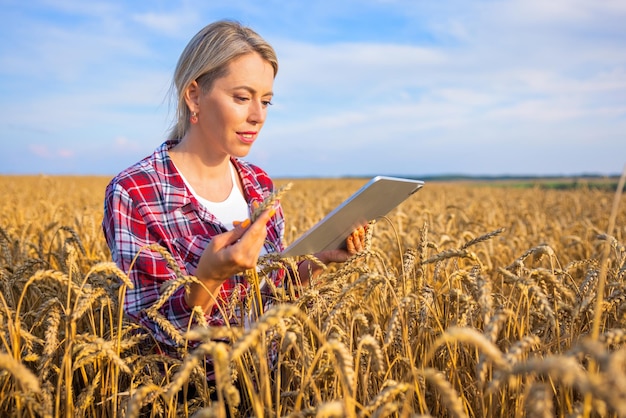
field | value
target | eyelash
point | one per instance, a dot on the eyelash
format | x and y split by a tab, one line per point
243	99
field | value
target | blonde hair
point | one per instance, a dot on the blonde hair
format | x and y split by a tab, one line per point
206	58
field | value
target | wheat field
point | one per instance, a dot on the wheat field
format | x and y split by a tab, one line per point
472	300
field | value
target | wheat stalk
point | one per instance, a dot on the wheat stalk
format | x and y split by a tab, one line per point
51	314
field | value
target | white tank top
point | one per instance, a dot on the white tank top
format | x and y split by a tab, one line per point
234	208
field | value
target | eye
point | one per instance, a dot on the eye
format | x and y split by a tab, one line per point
241	98
266	103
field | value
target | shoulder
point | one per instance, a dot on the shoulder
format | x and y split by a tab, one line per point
147	174
152	168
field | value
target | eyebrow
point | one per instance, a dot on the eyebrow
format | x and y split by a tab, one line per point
253	91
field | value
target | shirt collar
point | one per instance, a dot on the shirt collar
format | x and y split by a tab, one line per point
177	195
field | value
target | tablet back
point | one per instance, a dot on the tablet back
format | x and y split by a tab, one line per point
375	199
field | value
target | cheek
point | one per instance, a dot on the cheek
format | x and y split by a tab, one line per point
221	112
217	119
231	115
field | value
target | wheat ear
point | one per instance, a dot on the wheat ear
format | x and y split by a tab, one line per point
27	380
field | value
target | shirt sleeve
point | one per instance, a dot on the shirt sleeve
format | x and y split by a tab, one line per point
128	236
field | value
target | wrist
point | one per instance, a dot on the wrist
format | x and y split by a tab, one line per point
203	293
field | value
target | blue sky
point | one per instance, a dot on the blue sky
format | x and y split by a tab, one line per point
404	87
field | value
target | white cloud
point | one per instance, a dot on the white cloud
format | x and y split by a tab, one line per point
47	52
40	150
344	67
171	23
43	151
65	153
126	145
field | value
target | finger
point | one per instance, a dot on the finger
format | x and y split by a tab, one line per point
360	238
236	233
358	244
227	238
350	244
257	231
245	242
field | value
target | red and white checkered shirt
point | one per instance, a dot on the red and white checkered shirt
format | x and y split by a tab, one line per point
149	203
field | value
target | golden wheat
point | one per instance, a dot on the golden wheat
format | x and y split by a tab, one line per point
469	300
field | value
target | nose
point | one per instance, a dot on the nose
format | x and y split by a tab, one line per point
256	112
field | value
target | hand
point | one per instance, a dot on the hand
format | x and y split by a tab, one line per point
227	254
234	251
355	243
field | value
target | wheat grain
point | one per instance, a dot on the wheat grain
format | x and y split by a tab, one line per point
5	242
86	398
142	395
397	317
519	348
391	389
269	201
539	403
470	336
85	302
107	267
344	361
370	344
96	348
613	337
191	361
482	238
333	409
451	398
507	308
385	410
271	318
484	299
52	331
24	377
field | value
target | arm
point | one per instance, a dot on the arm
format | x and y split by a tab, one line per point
227	254
126	230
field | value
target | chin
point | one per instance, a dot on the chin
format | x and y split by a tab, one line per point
241	152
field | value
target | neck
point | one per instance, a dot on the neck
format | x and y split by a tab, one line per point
198	162
209	175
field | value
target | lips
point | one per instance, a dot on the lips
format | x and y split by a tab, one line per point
248	137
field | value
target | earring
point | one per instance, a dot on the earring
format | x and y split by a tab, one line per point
193	118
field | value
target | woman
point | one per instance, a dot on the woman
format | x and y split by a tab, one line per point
194	194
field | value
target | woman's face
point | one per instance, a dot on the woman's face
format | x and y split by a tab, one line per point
232	113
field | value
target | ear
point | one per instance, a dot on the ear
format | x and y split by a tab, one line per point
192	96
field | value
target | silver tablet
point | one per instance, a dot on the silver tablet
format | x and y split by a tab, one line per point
374	200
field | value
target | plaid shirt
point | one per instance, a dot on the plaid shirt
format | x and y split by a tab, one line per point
149	203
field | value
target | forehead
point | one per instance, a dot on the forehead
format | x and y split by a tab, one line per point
249	70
